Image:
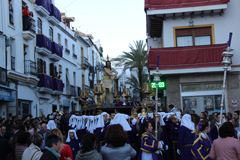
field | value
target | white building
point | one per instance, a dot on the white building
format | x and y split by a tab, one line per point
45	63
190	37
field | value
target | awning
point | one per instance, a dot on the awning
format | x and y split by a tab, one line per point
7	88
186	57
69	79
166	4
7	94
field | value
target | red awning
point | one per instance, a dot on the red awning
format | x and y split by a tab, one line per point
186	57
165	4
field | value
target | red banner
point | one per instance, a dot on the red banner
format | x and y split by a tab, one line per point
186	57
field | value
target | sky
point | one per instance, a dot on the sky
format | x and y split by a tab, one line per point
114	23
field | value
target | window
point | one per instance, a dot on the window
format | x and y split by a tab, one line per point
51	33
66	43
74	78
11	13
39	25
52	72
73	48
93	58
60	69
194	36
82	55
59	38
41	66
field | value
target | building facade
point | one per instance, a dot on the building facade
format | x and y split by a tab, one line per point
44	62
190	37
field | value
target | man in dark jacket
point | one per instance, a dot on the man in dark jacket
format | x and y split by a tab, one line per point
45	133
52	148
5	148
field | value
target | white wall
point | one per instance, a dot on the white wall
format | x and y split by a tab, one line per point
224	24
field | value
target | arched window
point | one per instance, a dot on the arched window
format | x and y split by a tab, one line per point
39	25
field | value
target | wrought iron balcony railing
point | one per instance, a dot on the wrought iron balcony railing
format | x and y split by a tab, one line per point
30	67
70	90
67	51
74	55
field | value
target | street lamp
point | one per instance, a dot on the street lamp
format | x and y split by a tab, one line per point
156	79
227	57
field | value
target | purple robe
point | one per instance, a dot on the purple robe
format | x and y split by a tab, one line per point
214	132
173	139
201	147
236	134
74	145
149	144
185	141
134	138
80	134
164	138
100	132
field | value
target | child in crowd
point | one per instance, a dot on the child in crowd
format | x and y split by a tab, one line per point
72	141
202	143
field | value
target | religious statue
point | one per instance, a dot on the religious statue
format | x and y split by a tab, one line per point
107	80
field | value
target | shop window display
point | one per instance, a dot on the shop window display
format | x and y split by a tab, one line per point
199	104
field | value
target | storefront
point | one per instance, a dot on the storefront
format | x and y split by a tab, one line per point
7	98
66	106
201	97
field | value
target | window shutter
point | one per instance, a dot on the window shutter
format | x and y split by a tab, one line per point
51	69
45	67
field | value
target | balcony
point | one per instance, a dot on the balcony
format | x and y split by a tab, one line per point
3	76
55	15
77	92
30	68
85	63
29	31
13	63
44	45
56	52
45	83
70	90
28	76
184	8
43	7
74	56
191	59
67	51
57	86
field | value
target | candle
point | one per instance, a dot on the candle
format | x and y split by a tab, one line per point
157	61
230	38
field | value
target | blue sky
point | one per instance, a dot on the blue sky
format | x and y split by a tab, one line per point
114	23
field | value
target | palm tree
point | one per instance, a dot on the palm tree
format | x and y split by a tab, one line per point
136	58
134	81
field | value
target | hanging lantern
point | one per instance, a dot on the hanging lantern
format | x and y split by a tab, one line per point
98	89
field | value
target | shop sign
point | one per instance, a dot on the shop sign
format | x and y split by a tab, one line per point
234	103
6	95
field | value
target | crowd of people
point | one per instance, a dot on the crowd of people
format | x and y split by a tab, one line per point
89	136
